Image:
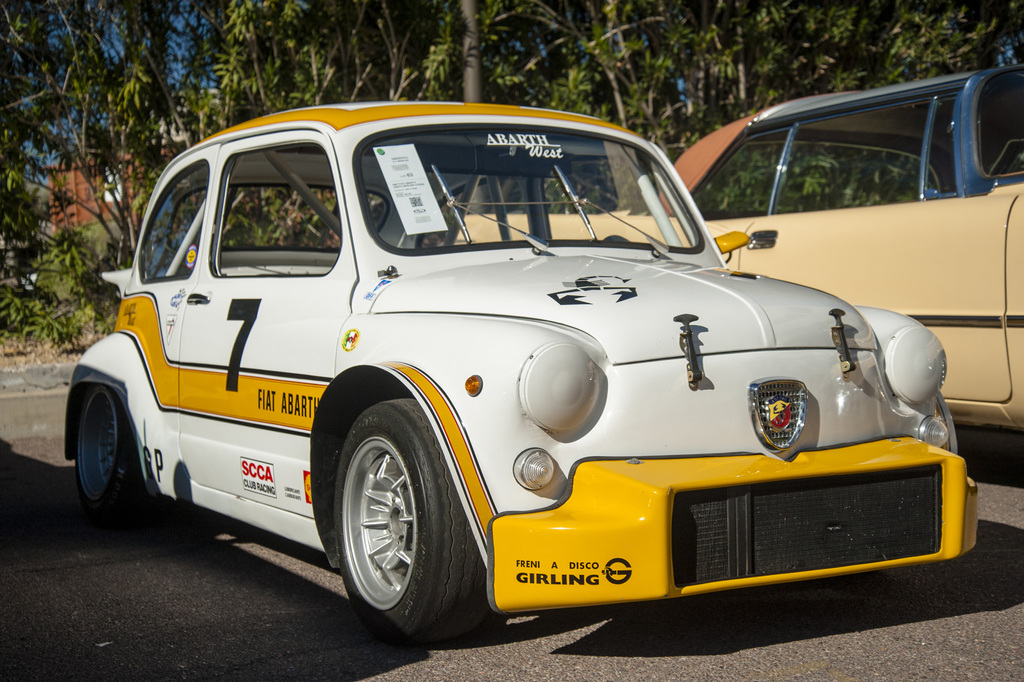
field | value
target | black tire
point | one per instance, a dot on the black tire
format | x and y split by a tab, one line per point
107	468
412	575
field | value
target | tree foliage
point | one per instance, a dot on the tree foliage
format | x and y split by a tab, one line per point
116	88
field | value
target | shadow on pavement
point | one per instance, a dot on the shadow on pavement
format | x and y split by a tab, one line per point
197	595
993	455
201	595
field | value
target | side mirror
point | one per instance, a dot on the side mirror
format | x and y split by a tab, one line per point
730	241
120	278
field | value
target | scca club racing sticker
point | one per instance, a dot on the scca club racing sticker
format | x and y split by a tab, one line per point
594	287
258	477
615	571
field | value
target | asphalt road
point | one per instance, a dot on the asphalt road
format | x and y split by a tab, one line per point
201	597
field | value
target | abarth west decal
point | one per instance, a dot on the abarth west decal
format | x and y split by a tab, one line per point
472	483
536	145
259	401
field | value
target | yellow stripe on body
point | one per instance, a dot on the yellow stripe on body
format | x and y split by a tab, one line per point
276	402
473	483
339	118
137	316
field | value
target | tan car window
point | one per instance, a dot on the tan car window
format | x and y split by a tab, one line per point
742	187
863	159
1000	126
280	214
941	177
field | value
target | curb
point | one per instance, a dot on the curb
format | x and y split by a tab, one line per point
32	400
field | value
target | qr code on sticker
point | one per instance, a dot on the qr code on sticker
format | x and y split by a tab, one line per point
416	201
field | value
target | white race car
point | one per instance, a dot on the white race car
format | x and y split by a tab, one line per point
490	356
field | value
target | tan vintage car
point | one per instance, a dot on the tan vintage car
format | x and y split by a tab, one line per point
902	197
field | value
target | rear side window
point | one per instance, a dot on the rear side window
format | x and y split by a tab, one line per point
742	187
1000	130
280	214
863	159
169	248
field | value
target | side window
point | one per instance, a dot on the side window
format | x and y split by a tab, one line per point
862	159
1000	129
940	178
279	215
742	187
169	248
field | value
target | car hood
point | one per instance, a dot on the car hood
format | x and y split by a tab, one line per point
628	306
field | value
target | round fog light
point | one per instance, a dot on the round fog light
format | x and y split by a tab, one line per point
933	432
534	469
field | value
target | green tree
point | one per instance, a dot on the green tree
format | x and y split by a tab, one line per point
114	88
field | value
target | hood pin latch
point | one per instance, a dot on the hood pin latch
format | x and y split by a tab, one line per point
694	374
846	363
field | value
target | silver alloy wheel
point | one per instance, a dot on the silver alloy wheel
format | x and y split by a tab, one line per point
379	523
97	443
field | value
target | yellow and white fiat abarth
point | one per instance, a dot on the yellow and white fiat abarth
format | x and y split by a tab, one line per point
489	356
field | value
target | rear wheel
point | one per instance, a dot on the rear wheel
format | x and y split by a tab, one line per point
109	474
411	566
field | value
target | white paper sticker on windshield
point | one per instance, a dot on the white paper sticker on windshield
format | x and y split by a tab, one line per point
410	189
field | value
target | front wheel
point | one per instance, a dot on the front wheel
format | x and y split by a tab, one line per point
108	472
411	566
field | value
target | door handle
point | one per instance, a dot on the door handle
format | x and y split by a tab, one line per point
197	299
763	239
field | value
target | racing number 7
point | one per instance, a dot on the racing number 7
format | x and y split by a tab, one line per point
244	309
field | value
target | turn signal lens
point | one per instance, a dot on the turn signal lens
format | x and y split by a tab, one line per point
474	385
534	469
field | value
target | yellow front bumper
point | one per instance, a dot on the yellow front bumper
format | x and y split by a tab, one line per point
611	540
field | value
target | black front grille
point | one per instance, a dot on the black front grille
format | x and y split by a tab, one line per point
807	524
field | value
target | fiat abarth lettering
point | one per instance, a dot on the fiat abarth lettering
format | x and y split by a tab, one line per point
490	356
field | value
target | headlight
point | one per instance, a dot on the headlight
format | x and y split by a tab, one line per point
559	386
915	364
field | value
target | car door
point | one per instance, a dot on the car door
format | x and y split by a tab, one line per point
939	261
154	305
263	322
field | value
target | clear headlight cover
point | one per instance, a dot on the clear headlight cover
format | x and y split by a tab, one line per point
915	364
559	386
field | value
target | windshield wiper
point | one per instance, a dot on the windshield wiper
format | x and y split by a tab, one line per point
660	248
450	198
536	242
575	199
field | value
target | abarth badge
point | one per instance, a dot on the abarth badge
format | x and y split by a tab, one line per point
779	413
778	409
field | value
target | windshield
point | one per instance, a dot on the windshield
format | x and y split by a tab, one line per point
458	189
